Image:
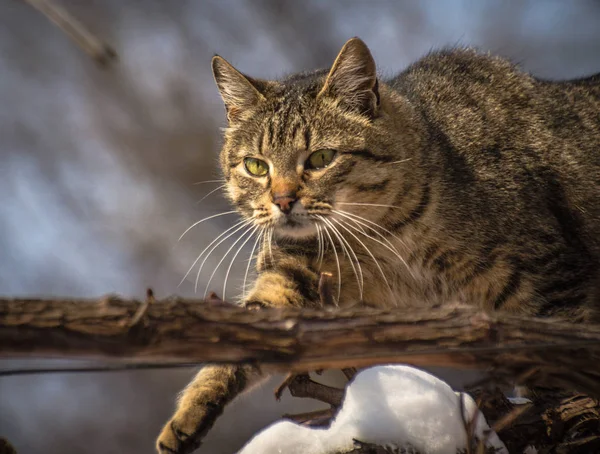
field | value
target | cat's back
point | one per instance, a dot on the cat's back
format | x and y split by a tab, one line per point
463	76
519	135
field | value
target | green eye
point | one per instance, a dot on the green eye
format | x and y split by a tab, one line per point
319	159
256	167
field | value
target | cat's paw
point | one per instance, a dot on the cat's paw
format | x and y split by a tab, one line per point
183	434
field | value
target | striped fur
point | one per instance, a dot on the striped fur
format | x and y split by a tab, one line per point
462	179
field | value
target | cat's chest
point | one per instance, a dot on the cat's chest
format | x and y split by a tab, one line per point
388	282
416	270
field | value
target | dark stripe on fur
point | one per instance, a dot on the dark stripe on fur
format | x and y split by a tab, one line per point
416	213
429	253
511	287
307	137
366	154
554	306
305	280
342	172
373	187
563	284
442	263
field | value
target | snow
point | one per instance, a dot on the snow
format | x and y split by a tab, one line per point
519	400
394	406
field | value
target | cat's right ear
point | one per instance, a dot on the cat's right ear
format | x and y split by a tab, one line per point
239	92
352	80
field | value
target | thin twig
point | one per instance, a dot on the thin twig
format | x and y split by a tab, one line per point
303	386
284	385
139	315
509	419
312	418
101	52
349	372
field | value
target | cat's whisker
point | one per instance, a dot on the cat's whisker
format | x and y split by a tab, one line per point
270	244
211	192
361	220
401	161
390	248
369	204
321	252
244	221
337	261
368	251
245	224
222	180
233	260
350	254
258	238
249	229
205	219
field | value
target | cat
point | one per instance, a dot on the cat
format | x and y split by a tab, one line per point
460	179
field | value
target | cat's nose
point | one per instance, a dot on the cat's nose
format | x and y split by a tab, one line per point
284	201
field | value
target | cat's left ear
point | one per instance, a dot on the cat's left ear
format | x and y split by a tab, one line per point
240	93
352	79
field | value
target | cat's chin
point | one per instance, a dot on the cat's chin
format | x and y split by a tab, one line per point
296	230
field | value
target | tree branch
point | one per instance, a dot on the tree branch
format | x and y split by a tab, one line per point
299	340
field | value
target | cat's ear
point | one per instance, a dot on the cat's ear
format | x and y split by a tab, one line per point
240	93
353	79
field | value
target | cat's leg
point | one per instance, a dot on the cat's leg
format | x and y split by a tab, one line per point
290	283
201	403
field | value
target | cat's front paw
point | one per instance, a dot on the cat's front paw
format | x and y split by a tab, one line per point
183	434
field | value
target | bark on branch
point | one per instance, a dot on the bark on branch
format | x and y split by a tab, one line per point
540	351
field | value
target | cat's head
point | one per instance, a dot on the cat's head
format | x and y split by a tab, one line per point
307	148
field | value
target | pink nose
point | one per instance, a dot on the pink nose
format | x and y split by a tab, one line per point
284	201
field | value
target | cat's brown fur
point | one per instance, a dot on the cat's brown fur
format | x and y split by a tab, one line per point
474	182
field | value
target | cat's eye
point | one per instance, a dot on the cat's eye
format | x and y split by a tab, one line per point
256	167
319	159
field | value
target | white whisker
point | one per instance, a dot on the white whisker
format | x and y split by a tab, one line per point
321	242
222	180
258	237
391	247
366	249
270	242
369	204
233	260
349	215
213	242
225	255
211	192
244	224
401	161
349	252
337	261
205	219
265	244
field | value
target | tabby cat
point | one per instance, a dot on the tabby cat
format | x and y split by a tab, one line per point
461	179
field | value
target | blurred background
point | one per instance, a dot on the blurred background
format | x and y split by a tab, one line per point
98	166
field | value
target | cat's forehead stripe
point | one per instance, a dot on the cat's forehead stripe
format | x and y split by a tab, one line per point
286	122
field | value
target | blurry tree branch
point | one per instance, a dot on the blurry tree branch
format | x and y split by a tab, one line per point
534	351
6	447
101	52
